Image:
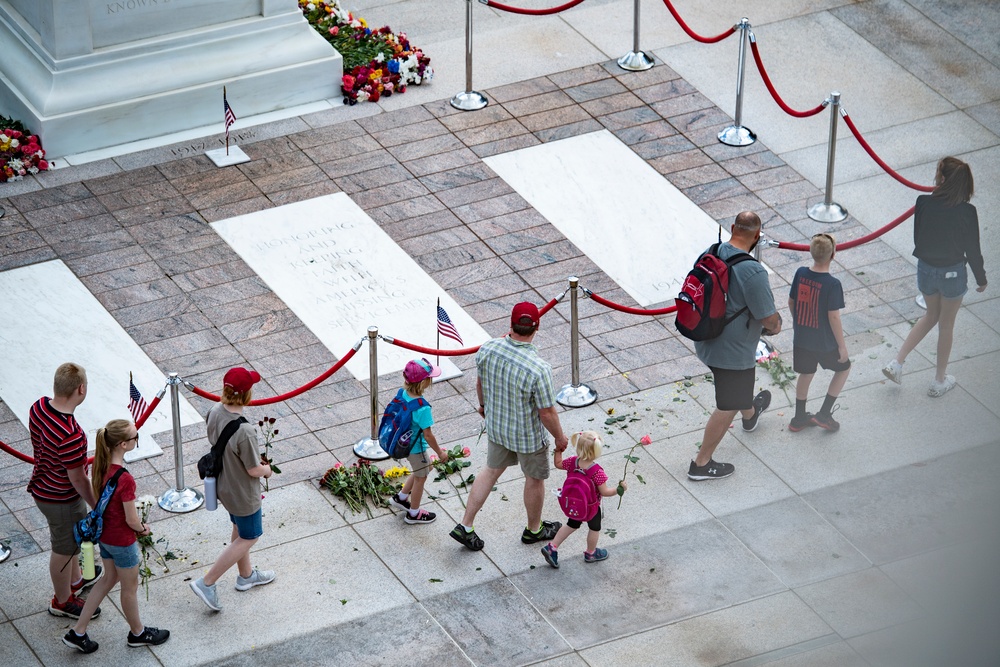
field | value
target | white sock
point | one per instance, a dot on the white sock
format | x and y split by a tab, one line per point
413	512
403	496
468	529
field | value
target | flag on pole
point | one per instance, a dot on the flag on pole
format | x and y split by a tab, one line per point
136	403
446	328
230	116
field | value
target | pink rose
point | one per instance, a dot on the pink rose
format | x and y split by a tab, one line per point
466	451
43	165
645	440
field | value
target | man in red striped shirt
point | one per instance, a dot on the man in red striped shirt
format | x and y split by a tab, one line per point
59	482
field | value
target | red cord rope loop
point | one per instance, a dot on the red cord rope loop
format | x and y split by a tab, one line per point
846	245
889	170
290	394
467	350
627	309
149	410
691	33
774	93
16	454
532	12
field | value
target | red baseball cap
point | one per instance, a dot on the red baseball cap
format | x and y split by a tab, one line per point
525	309
419	370
240	379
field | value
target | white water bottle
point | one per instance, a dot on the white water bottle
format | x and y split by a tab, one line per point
211	501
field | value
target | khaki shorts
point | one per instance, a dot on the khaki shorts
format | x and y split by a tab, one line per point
61	517
534	465
420	463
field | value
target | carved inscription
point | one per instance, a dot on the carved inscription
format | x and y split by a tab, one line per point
209	144
130	5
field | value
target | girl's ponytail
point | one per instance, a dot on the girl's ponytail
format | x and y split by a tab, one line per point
114	433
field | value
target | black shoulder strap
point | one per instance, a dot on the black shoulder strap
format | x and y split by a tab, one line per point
113	483
227	433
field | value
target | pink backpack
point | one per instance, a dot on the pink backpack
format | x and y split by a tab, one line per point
578	498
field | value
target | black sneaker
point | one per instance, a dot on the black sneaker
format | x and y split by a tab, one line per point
399	503
87	583
760	403
801	423
827	422
82	644
711	470
545	533
150	637
467	538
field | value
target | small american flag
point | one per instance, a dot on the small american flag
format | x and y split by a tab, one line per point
136	403
446	328
230	116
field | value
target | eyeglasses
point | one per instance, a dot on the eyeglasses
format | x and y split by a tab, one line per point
832	240
135	437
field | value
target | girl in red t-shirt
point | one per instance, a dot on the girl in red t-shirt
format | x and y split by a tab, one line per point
119	549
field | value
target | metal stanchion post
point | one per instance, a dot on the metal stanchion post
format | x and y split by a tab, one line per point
828	210
180	498
470	100
758	251
635	60
736	134
575	395
369	448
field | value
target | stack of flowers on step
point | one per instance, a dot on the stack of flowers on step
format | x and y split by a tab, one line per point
21	152
377	63
360	485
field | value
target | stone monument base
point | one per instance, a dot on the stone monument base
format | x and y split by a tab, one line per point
147	68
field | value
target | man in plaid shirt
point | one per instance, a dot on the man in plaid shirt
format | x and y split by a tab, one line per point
517	400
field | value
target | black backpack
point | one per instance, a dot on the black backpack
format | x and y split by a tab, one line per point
210	465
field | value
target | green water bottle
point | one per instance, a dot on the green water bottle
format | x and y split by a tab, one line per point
88	560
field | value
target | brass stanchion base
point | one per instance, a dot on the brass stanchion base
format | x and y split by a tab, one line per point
181	500
469	101
823	212
576	396
369	449
737	135
635	61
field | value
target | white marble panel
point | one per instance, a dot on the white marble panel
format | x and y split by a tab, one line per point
625	216
49	318
340	273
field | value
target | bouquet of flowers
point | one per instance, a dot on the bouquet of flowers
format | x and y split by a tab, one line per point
361	485
455	463
267	432
377	63
148	546
20	151
781	373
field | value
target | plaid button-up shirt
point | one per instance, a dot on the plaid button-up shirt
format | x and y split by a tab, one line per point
516	384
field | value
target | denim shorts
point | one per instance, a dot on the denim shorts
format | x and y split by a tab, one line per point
950	281
124	558
249	527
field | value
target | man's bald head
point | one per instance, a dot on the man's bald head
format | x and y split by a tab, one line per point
747	222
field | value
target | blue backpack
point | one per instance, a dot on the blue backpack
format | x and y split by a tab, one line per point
396	433
88	529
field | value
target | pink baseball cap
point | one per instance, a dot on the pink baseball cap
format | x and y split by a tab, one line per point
419	370
240	379
525	309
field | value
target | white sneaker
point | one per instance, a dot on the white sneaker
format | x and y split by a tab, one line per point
256	578
894	371
939	389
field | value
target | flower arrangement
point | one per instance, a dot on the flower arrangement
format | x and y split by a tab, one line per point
633	459
20	151
361	485
781	373
267	432
377	63
148	546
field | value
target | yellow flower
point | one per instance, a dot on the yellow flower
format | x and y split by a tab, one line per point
396	471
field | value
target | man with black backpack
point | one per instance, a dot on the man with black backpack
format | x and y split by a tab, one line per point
730	355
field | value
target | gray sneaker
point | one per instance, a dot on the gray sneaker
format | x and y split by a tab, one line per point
256	578
206	593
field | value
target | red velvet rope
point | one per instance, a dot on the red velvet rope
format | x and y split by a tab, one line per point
138	424
467	350
627	309
774	93
858	241
533	12
290	394
889	170
691	33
